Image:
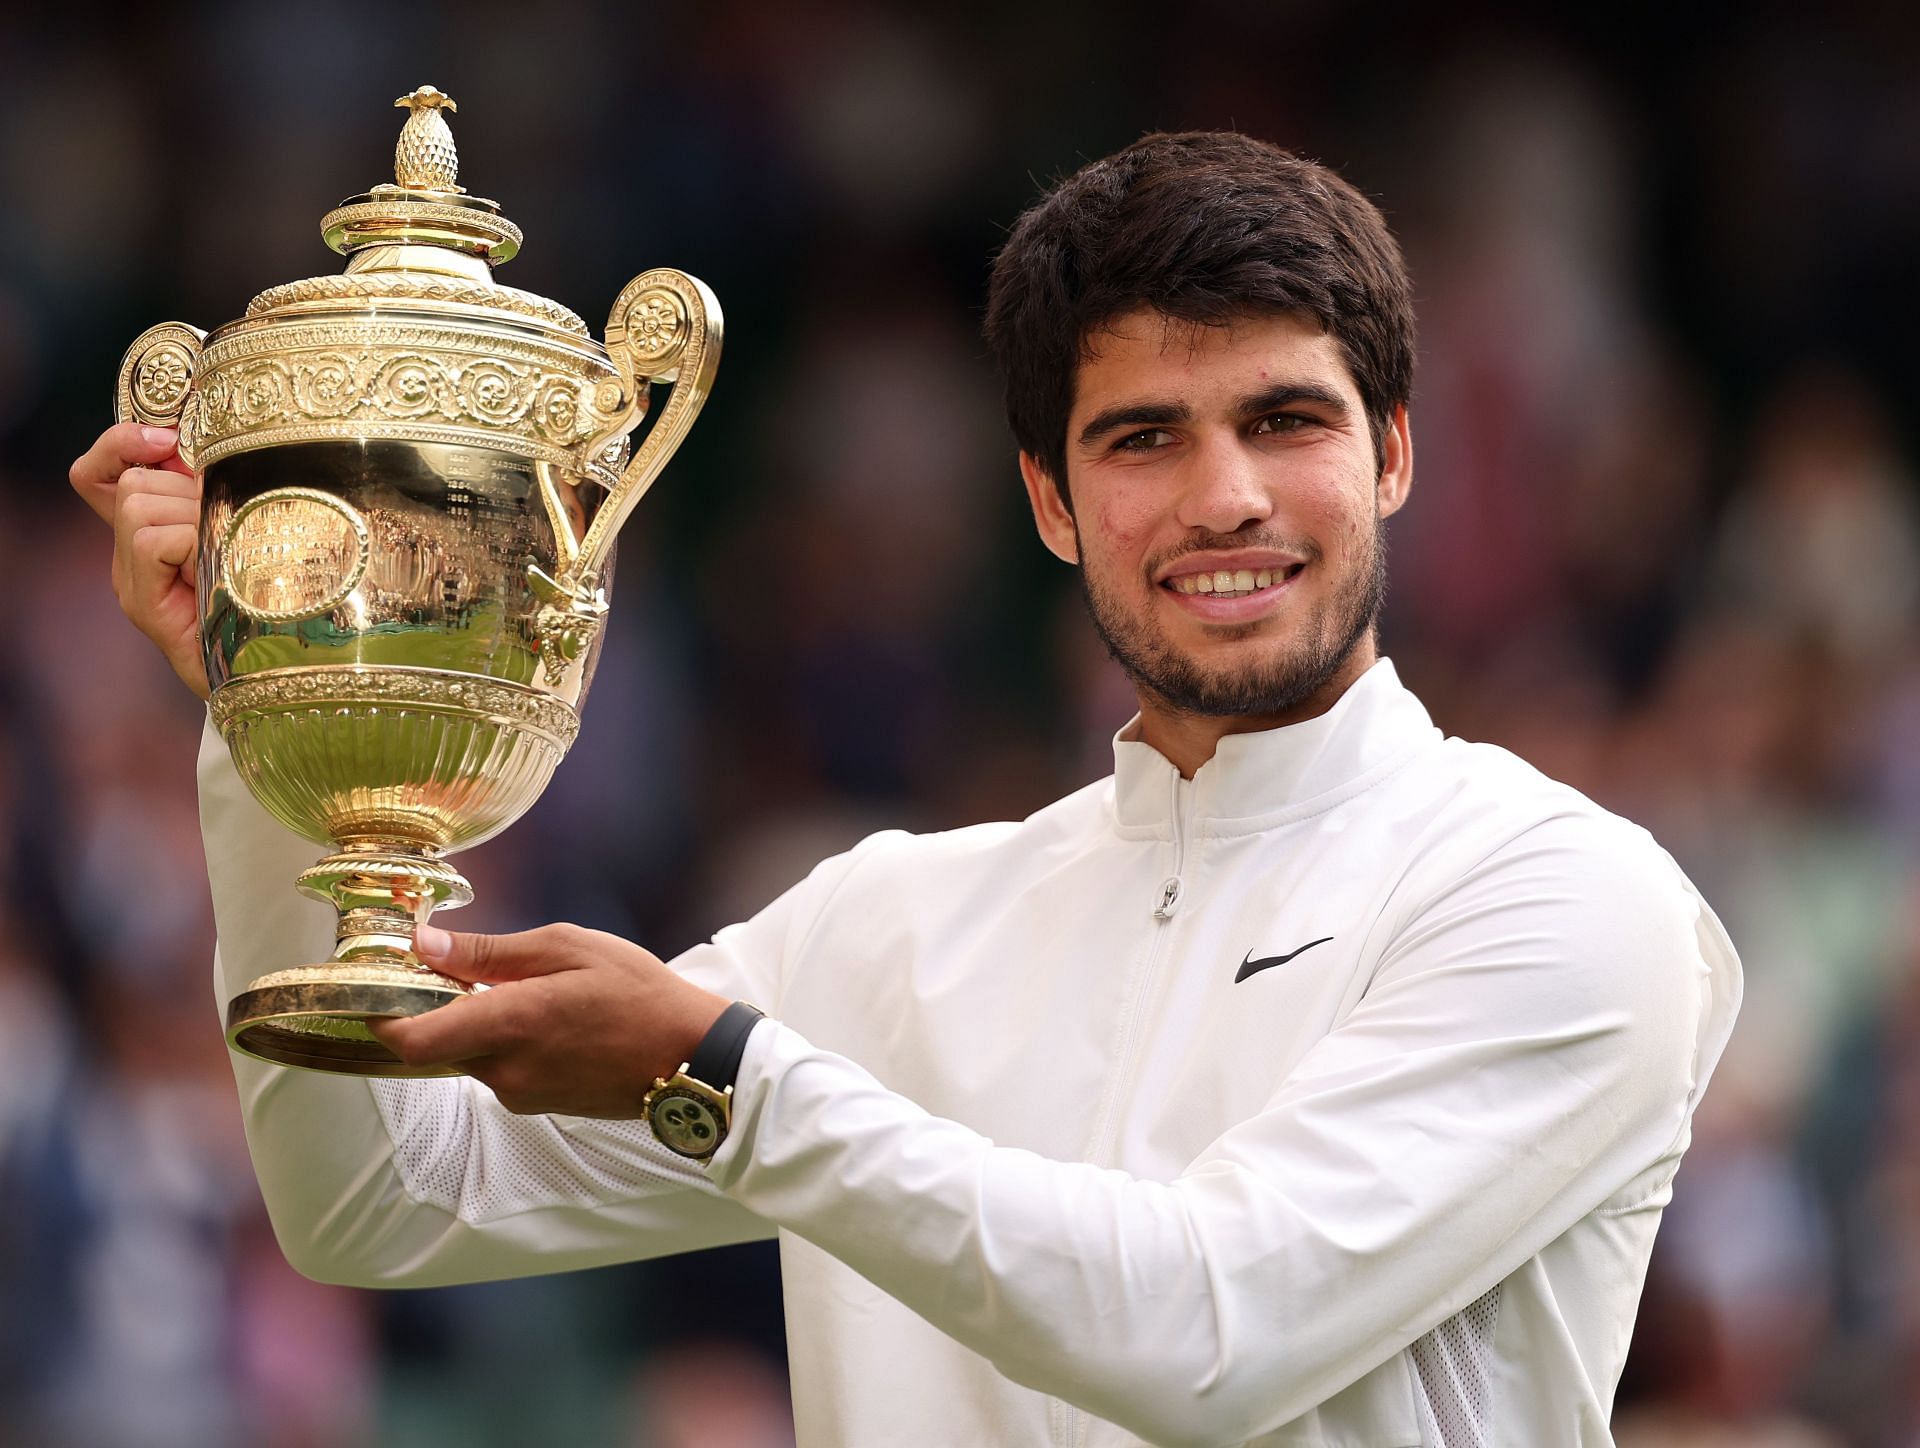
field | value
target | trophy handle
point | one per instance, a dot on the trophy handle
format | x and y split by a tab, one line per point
665	327
156	381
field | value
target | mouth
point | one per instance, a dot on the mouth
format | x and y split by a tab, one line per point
1257	587
1228	583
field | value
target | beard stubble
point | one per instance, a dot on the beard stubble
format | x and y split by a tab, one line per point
1276	685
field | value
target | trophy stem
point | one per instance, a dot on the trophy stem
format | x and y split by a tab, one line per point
315	1016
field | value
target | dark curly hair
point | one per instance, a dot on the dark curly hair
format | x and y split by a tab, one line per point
1206	227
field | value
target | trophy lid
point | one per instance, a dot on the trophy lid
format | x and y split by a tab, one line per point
423	235
424	205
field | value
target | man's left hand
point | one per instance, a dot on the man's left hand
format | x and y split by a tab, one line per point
577	1023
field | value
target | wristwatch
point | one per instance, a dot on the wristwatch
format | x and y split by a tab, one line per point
692	1111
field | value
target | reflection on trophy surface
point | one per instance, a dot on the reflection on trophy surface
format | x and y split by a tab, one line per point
412	478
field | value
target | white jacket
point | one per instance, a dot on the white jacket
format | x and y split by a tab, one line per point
1044	1172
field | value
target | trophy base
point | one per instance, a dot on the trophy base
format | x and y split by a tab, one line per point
315	1016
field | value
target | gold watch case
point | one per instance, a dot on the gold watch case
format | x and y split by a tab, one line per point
689	1117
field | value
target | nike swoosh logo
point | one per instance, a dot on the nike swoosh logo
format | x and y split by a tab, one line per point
1250	966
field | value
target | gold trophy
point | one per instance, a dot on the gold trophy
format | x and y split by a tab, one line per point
412	478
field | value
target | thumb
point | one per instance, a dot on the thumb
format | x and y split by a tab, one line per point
495	957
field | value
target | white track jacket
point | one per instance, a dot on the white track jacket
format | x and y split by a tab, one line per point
1328	1098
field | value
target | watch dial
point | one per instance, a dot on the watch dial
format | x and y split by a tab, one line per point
686	1122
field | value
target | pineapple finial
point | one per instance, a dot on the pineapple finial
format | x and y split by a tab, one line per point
424	158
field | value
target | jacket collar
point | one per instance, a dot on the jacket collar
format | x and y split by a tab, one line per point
1257	780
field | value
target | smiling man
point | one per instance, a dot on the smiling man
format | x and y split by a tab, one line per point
1312	1080
1229	500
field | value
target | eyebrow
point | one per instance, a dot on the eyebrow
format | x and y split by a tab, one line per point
1167	414
1133	414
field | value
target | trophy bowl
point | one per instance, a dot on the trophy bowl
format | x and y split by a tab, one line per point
412	479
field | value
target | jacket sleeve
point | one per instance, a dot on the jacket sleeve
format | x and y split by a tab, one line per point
419	1183
1531	1045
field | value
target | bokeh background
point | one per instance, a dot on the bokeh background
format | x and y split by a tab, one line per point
1663	544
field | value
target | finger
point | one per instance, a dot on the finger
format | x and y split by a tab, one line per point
158	554
138	509
513	1084
142	556
164	482
129	444
501	957
144	497
151	577
461	1030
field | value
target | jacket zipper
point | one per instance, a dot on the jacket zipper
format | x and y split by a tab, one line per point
1171	886
1067	1424
1166	902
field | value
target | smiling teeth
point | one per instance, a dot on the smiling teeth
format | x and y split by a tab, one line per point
1228	582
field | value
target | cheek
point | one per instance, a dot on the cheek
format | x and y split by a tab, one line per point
1117	533
1340	511
1357	533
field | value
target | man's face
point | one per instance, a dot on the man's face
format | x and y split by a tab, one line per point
1227	508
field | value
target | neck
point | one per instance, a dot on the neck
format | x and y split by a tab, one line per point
1188	740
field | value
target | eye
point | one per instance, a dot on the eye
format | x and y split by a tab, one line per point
1144	441
1282	422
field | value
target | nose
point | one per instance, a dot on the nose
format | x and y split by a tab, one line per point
1226	491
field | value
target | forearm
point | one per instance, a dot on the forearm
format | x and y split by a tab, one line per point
419	1182
1183	1311
424	1183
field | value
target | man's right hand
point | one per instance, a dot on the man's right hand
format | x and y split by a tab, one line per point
133	477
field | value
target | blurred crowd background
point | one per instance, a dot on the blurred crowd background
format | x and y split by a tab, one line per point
1663	545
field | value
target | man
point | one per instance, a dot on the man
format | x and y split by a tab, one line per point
1312	1080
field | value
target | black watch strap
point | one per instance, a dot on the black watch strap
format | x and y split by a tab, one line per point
716	1060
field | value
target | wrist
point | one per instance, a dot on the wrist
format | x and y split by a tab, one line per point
716	1060
703	1012
691	1111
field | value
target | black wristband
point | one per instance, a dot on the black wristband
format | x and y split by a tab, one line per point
716	1060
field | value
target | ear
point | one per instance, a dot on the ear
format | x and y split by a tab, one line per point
1396	473
1050	515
